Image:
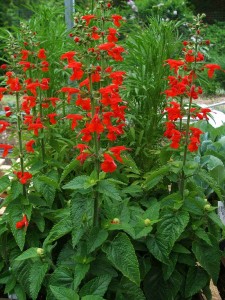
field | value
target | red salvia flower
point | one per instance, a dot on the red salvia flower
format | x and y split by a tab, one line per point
2	90
23	176
74	118
42	54
88	19
23	223
117	151
6	149
29	146
111	37
212	68
96	125
36	126
25	53
52	119
108	165
7	110
3	125
44	66
116	20
69	56
175	64
174	112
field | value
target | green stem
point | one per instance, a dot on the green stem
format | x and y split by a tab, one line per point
19	127
92	6
97	163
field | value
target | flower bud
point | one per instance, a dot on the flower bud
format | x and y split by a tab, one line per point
207	207
40	251
115	221
147	222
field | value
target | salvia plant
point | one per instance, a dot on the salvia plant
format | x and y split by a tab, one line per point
81	221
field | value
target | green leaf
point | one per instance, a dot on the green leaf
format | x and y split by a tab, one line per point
79	274
155	177
157	248
97	286
69	168
58	230
180	249
208	257
202	234
29	253
20	293
37	275
79	183
216	220
171	227
203	174
96	238
16	190
106	188
64	293
49	181
92	297
78	210
122	254
131	290
4	183
197	278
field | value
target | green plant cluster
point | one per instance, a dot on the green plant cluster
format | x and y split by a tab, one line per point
153	242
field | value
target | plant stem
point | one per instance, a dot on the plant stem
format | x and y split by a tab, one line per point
97	163
19	126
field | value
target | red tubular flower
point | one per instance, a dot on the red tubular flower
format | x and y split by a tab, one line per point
77	70
7	110
70	92
175	138
106	46
53	100
212	68
4	66
115	53
116	20
69	56
28	119
44	66
203	113
194	139
25	53
42	54
74	118
52	119
174	64
23	176
88	19
111	37
117	77
14	84
96	125
3	125
108	165
84	152
174	111
6	149
117	151
26	65
36	126
29	146
2	90
85	104
23	223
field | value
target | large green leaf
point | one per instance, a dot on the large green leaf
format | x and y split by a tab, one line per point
158	249
97	286
130	290
79	183
79	274
69	168
92	297
4	183
208	257
58	230
155	177
63	293
197	278
171	227
122	254
106	188
96	238
29	253
37	275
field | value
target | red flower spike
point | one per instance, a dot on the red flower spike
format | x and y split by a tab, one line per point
6	149
29	146
96	125
25	53
108	165
174	64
